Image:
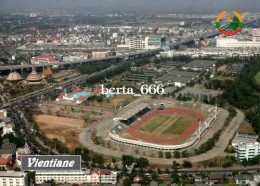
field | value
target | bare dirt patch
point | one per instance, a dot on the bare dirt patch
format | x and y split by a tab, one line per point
63	128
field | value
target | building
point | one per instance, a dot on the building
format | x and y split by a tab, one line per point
99	54
177	78
199	93
246	146
13	178
215	178
47	73
43	59
256	34
165	54
5	163
154	42
199	65
34	78
243	179
8	128
137	43
7	150
235	43
3	113
93	176
14	76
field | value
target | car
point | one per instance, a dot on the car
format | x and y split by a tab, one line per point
161	107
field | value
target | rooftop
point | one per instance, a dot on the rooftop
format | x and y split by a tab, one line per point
7	148
202	64
12	174
13	76
245	138
34	76
133	110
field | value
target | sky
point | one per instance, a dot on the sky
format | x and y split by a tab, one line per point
168	6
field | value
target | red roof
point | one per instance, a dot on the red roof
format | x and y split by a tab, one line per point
46	58
61	95
94	171
137	178
78	89
81	98
20	156
98	90
4	161
105	171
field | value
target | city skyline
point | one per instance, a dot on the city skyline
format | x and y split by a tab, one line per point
149	6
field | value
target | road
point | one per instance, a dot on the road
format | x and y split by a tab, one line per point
16	67
218	150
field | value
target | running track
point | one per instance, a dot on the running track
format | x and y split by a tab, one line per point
184	135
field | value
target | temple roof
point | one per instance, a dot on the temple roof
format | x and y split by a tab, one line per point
34	76
13	76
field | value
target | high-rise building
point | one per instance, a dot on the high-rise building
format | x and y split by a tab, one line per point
137	43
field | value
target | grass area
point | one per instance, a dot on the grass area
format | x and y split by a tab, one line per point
160	120
246	127
181	124
165	124
257	78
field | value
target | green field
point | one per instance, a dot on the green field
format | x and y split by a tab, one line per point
163	125
257	78
181	124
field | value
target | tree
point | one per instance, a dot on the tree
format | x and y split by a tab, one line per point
127	182
142	162
31	177
168	155
177	154
184	154
154	176
127	160
245	162
98	159
160	154
186	164
175	177
52	182
77	151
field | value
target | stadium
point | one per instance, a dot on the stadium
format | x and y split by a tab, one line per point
162	124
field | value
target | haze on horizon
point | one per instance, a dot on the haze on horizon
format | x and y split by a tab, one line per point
149	6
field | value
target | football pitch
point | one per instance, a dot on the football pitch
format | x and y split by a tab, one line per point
169	126
166	124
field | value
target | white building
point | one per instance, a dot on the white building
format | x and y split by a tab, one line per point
137	43
256	34
154	42
115	35
167	54
235	43
78	177
99	54
13	178
8	128
246	146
